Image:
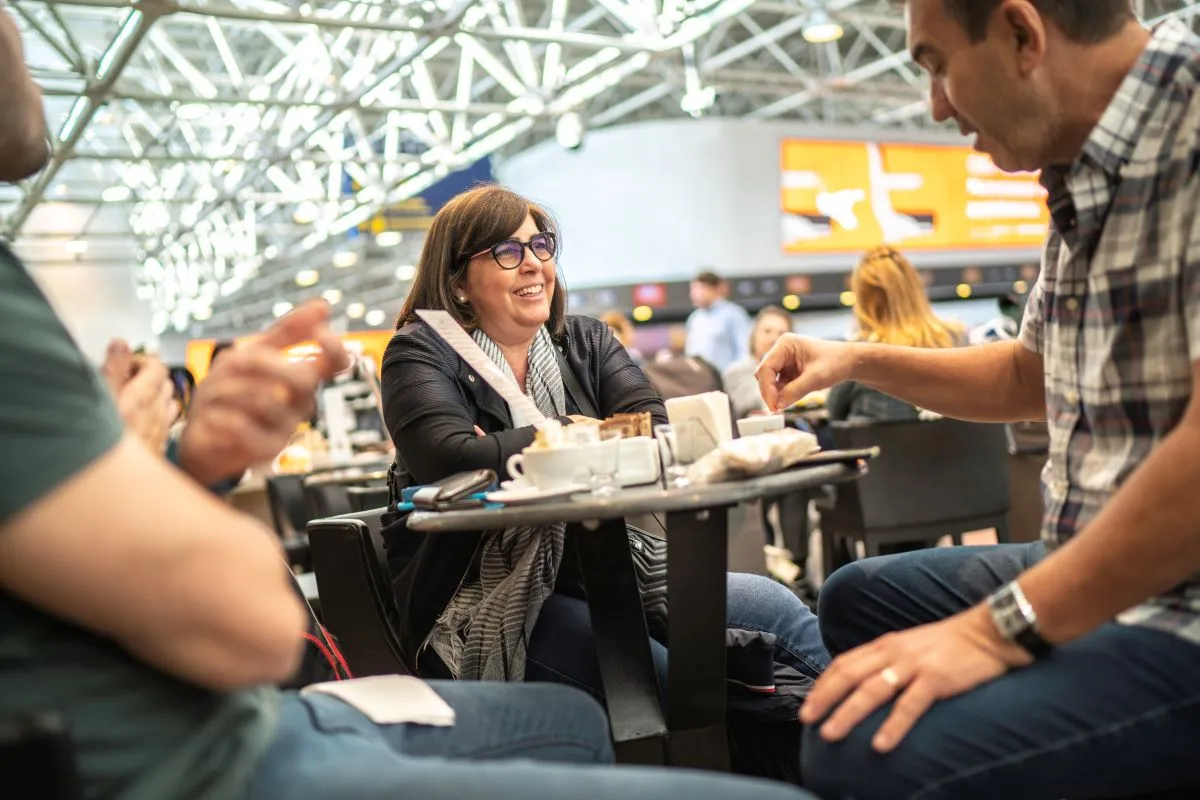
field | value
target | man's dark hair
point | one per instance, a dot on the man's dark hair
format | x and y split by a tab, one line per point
1083	21
709	278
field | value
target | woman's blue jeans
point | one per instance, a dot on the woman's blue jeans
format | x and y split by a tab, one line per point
562	648
1113	714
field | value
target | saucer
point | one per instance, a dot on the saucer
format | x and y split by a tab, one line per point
522	493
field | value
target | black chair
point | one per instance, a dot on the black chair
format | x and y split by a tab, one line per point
363	498
356	594
327	499
931	479
290	514
37	757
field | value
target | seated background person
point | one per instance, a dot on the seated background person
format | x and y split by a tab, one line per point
769	324
890	307
153	618
489	260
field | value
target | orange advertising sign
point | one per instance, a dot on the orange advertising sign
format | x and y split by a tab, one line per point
359	343
851	196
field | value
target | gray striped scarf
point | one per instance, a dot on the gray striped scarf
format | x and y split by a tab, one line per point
483	633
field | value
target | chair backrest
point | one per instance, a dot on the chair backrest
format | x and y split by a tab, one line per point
356	595
36	753
327	500
927	472
289	504
363	498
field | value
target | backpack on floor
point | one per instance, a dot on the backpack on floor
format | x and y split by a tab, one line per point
762	714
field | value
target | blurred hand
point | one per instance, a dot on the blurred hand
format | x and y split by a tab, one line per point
797	365
580	418
141	387
245	410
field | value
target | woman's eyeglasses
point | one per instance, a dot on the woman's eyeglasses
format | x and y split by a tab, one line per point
511	252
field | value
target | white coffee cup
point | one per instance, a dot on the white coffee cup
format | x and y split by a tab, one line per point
547	469
763	423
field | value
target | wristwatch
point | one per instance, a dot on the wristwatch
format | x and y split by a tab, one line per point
1016	620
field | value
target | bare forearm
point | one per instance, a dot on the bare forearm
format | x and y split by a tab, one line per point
1141	545
1000	382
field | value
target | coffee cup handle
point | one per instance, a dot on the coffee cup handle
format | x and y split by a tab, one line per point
515	466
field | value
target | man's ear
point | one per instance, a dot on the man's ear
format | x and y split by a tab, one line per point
1027	31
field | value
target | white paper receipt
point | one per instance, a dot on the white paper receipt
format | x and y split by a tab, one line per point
390	699
445	326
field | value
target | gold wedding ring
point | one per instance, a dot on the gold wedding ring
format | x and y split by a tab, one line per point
890	677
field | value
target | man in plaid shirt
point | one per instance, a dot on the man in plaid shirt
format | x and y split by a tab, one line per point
1069	668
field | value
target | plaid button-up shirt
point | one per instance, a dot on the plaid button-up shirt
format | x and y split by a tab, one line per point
1116	311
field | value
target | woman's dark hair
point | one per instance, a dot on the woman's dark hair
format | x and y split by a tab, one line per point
470	223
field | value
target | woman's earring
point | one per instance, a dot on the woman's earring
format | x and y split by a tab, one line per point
462	298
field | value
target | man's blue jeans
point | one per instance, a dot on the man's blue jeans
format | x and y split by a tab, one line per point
1113	714
327	750
562	648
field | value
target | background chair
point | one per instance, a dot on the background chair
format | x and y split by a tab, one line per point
37	758
356	593
290	514
363	498
931	479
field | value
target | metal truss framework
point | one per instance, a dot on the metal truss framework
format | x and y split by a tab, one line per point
217	146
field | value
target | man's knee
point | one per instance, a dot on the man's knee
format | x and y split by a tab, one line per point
838	607
852	768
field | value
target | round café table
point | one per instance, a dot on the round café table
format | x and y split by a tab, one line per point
691	733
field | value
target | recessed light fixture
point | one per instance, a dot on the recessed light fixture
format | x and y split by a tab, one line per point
201	314
307	277
821	28
281	308
791	302
389	238
190	112
375	317
345	258
306	213
848	298
643	313
332	296
963	290
77	246
271	251
355	310
115	194
405	272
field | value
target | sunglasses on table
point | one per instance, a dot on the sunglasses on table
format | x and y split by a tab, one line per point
511	252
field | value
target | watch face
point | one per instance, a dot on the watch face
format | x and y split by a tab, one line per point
1007	615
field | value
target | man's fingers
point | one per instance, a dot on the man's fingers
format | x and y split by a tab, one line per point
334	357
300	325
912	705
118	364
296	381
872	691
841	678
268	402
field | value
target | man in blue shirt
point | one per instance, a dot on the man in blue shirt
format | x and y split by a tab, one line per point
717	331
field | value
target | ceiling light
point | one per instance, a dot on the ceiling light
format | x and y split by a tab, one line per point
271	252
345	258
848	298
355	310
77	246
281	308
821	29
405	272
307	277
332	296
375	317
306	213
963	290
115	194
569	130
389	239
201	314
791	302
642	313
191	111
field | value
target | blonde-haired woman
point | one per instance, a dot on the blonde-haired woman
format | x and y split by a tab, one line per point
891	307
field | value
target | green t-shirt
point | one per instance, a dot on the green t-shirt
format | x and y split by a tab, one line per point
138	733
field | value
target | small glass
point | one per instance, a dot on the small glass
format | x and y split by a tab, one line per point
674	470
604	463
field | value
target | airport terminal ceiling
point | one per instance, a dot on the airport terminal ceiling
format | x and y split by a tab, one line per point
213	145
